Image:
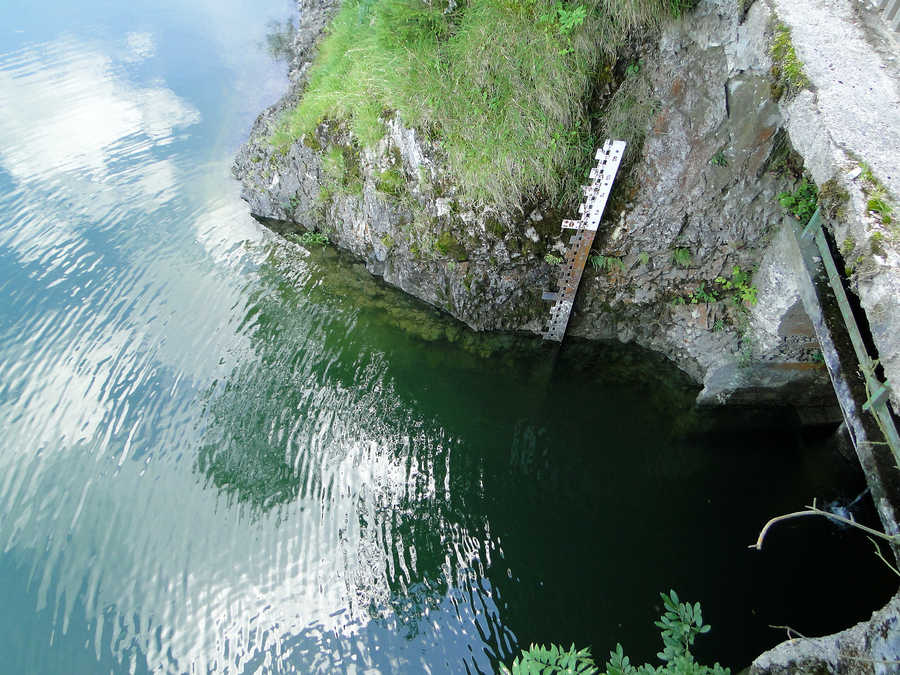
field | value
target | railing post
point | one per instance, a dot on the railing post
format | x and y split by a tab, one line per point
876	391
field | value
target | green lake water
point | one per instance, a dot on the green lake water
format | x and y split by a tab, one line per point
224	453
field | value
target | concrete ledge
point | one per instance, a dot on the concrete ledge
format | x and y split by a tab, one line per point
851	114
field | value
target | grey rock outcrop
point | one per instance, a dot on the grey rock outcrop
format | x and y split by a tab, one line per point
704	185
395	206
869	648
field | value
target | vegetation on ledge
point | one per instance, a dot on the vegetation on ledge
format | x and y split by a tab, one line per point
788	76
679	625
504	85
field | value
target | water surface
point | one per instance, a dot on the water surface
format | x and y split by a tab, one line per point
224	453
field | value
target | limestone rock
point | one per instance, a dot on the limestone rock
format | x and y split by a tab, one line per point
703	186
869	648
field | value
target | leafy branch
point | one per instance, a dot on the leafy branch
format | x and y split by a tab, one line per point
679	625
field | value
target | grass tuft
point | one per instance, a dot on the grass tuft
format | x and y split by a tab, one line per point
628	113
503	84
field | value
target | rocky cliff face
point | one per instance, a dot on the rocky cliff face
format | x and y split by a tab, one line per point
707	184
395	207
700	201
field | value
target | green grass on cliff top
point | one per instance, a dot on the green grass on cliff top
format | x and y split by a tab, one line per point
504	85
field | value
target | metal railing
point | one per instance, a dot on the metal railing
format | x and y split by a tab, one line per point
877	392
890	10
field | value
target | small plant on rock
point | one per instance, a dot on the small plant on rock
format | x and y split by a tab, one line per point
802	202
876	195
719	159
552	259
291	204
878	204
744	292
881	207
703	294
312	239
609	263
682	257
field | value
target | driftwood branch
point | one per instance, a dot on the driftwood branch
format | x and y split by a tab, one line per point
790	632
813	511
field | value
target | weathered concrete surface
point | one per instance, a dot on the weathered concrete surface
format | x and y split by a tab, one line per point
852	115
869	648
855	104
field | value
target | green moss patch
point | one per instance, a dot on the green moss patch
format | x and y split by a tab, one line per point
788	76
447	245
391	182
833	199
341	166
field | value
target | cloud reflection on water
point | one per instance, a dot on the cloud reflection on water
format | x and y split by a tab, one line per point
69	108
174	576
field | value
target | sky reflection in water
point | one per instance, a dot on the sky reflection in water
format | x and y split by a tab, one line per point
123	263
